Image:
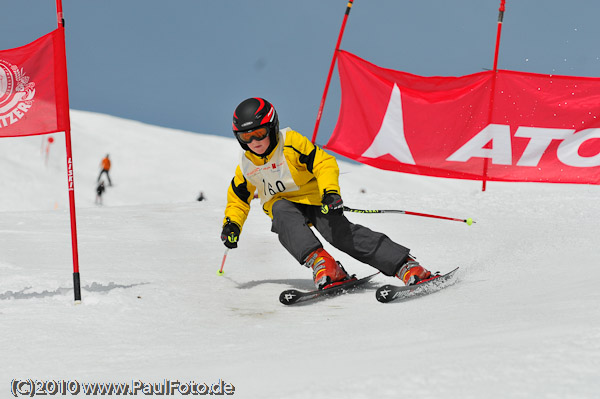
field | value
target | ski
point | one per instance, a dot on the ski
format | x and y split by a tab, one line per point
292	296
389	292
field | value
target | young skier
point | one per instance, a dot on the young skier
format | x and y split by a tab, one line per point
297	184
99	191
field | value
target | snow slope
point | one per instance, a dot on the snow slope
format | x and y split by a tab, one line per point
522	322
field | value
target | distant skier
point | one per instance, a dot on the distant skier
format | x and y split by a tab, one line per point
297	184
99	191
201	196
105	168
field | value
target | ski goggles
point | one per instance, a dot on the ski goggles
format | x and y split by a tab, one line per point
248	137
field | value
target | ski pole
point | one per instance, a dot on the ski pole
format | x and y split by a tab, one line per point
221	272
468	221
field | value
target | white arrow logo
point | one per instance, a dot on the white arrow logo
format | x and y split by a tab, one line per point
390	139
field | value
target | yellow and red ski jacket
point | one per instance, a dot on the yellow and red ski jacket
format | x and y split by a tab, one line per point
312	170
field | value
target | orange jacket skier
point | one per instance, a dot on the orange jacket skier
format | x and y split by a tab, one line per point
105	165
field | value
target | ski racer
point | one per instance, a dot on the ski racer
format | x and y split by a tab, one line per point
297	183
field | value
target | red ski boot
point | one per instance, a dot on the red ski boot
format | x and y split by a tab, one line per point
326	271
412	272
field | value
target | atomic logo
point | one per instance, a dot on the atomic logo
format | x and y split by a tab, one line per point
16	94
384	293
289	297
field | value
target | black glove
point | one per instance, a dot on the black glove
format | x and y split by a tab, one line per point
332	203
230	234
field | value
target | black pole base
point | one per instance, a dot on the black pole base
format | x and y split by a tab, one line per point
76	287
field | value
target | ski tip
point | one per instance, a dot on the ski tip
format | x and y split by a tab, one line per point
384	293
289	297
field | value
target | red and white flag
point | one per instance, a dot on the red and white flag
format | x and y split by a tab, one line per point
542	128
33	87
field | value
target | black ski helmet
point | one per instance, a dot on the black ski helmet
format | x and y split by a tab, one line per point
253	113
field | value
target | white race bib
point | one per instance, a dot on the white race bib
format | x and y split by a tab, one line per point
273	177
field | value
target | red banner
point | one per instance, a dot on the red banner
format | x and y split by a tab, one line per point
33	87
542	128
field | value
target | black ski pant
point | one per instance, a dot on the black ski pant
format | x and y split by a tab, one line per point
104	171
291	223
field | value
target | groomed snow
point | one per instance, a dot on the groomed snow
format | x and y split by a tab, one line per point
523	321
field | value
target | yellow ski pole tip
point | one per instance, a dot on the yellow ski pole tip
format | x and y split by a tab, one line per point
469	221
220	272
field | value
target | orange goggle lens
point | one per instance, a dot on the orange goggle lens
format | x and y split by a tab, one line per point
248	137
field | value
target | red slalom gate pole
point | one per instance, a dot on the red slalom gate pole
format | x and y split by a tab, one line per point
494	76
335	53
61	62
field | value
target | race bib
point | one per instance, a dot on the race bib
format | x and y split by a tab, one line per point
271	178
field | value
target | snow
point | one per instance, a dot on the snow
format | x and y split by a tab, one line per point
523	321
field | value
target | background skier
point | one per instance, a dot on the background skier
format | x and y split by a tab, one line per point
105	168
297	184
99	191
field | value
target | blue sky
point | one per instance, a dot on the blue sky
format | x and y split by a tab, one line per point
186	64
